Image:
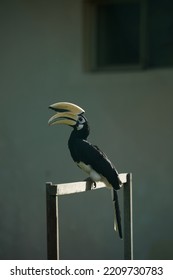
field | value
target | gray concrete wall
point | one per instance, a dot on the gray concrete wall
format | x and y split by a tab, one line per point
130	115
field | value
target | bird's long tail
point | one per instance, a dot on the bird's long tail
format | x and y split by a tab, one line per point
117	214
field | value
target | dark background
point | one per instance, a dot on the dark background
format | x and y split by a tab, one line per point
130	114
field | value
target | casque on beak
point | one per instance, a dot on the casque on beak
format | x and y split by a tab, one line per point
67	113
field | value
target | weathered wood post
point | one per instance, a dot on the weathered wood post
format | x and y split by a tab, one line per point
128	219
53	191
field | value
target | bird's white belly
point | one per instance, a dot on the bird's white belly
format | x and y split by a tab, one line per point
88	169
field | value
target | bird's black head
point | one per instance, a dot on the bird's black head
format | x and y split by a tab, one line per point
72	115
81	128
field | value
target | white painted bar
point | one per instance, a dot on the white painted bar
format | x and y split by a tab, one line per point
77	187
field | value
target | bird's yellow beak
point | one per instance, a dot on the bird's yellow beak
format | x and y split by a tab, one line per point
67	113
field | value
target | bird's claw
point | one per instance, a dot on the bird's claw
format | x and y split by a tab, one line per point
90	183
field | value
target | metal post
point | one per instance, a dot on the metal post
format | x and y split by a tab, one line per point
52	222
128	222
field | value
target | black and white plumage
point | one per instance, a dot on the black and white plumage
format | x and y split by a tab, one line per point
87	156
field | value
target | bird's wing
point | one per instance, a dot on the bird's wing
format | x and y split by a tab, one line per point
85	152
93	156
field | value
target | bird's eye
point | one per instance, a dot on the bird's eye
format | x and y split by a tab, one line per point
81	119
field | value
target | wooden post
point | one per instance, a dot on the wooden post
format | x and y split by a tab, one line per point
128	221
52	193
52	222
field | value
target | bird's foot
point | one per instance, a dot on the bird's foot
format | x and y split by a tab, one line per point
90	183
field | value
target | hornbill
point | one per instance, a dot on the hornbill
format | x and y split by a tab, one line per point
87	156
